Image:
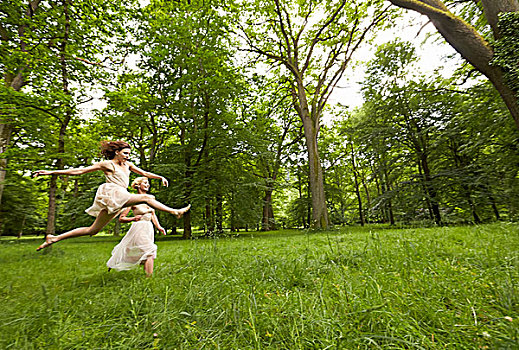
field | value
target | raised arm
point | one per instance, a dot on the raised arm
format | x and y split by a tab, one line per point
124	218
155	221
73	171
139	171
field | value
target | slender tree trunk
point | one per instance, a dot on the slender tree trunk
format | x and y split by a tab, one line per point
425	193
487	188
359	200
308	209
377	176
51	210
494	208
187	226
22	225
188	187
187	234
389	200
300	191
431	191
51	214
117	228
219	213
368	199
232	218
468	196
75	195
5	140
209	219
154	139
357	188
142	158
6	131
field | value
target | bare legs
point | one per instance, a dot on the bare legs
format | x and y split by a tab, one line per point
104	218
155	204
101	221
148	266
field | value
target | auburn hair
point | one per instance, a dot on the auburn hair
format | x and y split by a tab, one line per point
108	148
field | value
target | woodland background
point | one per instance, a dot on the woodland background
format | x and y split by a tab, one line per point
227	100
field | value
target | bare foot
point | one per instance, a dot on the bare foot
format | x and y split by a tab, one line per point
180	212
49	240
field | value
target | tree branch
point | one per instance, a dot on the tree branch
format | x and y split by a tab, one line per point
315	40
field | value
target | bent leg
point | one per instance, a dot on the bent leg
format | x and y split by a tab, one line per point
101	221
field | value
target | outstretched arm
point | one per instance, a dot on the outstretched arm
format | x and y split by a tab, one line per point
139	171
155	221
72	171
124	218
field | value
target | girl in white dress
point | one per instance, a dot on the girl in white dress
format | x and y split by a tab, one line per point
113	196
137	245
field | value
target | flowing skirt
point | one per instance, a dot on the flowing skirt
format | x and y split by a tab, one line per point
136	246
111	197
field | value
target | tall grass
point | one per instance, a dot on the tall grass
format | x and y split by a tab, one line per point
353	288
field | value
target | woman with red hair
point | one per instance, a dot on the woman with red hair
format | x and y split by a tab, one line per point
112	196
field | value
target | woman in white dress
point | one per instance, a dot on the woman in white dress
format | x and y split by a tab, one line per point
137	245
113	196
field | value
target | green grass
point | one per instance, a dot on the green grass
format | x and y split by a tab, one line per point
354	288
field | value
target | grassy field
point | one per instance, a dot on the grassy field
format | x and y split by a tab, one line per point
353	288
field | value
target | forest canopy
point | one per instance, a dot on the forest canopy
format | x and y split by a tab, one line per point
232	103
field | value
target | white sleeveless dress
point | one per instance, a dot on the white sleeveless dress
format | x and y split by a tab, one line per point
137	245
113	194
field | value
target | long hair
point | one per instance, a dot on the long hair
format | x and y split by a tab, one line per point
108	148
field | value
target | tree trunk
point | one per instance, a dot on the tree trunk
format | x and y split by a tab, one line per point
308	222
494	207
475	215
232	218
187	197
301	199
51	213
75	195
51	210
219	213
357	187
431	191
15	82
379	181
368	199
209	220
5	139
117	228
492	9
267	221
426	197
390	213
319	210
22	225
187	226
470	202
468	42
188	176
